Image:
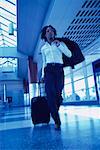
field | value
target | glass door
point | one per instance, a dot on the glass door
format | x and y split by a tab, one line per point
96	69
98	85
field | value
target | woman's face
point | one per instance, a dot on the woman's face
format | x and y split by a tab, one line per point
49	34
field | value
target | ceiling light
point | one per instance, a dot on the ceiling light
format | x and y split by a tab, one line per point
11	28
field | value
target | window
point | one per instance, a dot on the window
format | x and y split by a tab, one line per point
8	64
7	16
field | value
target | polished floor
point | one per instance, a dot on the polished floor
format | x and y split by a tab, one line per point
80	130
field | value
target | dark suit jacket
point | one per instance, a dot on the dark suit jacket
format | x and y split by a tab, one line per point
77	56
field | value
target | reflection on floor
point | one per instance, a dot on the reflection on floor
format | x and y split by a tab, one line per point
80	130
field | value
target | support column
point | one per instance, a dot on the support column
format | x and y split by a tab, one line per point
4	93
26	92
32	66
86	80
72	82
33	77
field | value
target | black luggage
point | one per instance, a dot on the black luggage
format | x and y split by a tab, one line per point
39	110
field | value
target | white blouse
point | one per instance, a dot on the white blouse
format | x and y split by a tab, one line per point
53	54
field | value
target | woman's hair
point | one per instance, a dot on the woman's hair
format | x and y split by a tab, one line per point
43	32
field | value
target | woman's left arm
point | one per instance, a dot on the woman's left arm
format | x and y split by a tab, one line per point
64	49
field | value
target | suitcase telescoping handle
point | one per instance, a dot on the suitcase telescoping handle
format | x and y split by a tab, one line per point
41	89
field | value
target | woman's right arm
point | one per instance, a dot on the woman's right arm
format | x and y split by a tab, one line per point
43	62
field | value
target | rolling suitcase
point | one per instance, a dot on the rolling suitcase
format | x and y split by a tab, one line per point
39	109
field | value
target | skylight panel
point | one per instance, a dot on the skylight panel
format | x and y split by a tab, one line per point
4	21
7	34
15	33
9	40
0	31
4	27
9	6
0	37
8	19
12	1
1	23
9	44
7	15
1	42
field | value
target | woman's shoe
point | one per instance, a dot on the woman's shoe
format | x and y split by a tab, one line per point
57	127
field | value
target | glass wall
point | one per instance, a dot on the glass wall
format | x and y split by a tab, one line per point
96	70
79	84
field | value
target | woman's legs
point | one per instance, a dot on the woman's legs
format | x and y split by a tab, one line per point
53	87
59	86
